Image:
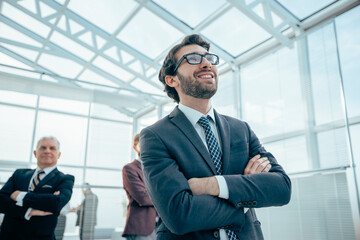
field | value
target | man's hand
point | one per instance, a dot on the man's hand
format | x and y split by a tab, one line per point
257	165
204	186
35	212
57	193
14	195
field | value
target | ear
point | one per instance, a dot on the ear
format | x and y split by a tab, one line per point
59	155
171	81
35	153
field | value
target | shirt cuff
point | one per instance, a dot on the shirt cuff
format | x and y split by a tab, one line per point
223	187
19	198
27	216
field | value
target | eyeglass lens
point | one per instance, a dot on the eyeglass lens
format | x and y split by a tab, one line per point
196	58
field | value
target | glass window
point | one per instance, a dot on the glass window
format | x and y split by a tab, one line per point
110	144
147	119
146	87
5	175
305	8
106	14
230	36
333	148
189	11
16	128
224	99
104	111
149	43
112	209
78	173
18	98
168	108
25	20
112	68
348	33
355	143
62	66
71	46
284	151
69	130
271	94
64	105
325	77
104	177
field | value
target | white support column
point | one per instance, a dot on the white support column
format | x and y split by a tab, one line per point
306	89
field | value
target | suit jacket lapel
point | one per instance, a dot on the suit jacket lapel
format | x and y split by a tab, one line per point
27	178
181	121
52	174
224	135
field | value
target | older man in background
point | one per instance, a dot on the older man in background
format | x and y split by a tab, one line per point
32	198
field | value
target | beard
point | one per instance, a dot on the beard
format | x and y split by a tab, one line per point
192	87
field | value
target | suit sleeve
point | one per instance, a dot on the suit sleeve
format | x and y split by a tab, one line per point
49	202
135	187
262	189
171	195
7	205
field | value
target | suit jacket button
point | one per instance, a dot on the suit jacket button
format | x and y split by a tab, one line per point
239	204
254	203
216	234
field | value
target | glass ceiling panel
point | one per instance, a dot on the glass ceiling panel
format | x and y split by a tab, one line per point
12	34
71	46
235	33
189	11
113	69
149	34
92	77
146	87
23	52
103	111
61	66
25	20
7	60
107	14
304	8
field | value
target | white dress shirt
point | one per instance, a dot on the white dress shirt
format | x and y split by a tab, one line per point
194	117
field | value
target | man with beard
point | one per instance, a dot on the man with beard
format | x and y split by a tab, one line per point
206	172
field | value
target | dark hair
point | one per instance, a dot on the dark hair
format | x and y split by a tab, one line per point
170	62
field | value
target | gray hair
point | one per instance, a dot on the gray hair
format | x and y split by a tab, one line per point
48	138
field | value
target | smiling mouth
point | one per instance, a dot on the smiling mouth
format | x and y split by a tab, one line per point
205	75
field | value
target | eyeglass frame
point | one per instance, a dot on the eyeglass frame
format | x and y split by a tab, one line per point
202	56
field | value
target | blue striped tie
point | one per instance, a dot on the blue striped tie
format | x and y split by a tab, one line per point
215	154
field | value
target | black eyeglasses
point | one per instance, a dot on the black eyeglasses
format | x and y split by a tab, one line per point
196	58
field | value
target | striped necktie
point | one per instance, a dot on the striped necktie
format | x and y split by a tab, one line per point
35	181
215	154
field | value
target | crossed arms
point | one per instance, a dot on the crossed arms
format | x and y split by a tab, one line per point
185	193
42	204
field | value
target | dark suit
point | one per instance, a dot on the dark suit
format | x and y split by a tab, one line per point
15	226
172	152
141	214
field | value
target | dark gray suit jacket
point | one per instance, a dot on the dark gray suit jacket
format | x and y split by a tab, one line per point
172	152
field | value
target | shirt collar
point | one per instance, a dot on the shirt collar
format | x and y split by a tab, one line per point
194	115
46	170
